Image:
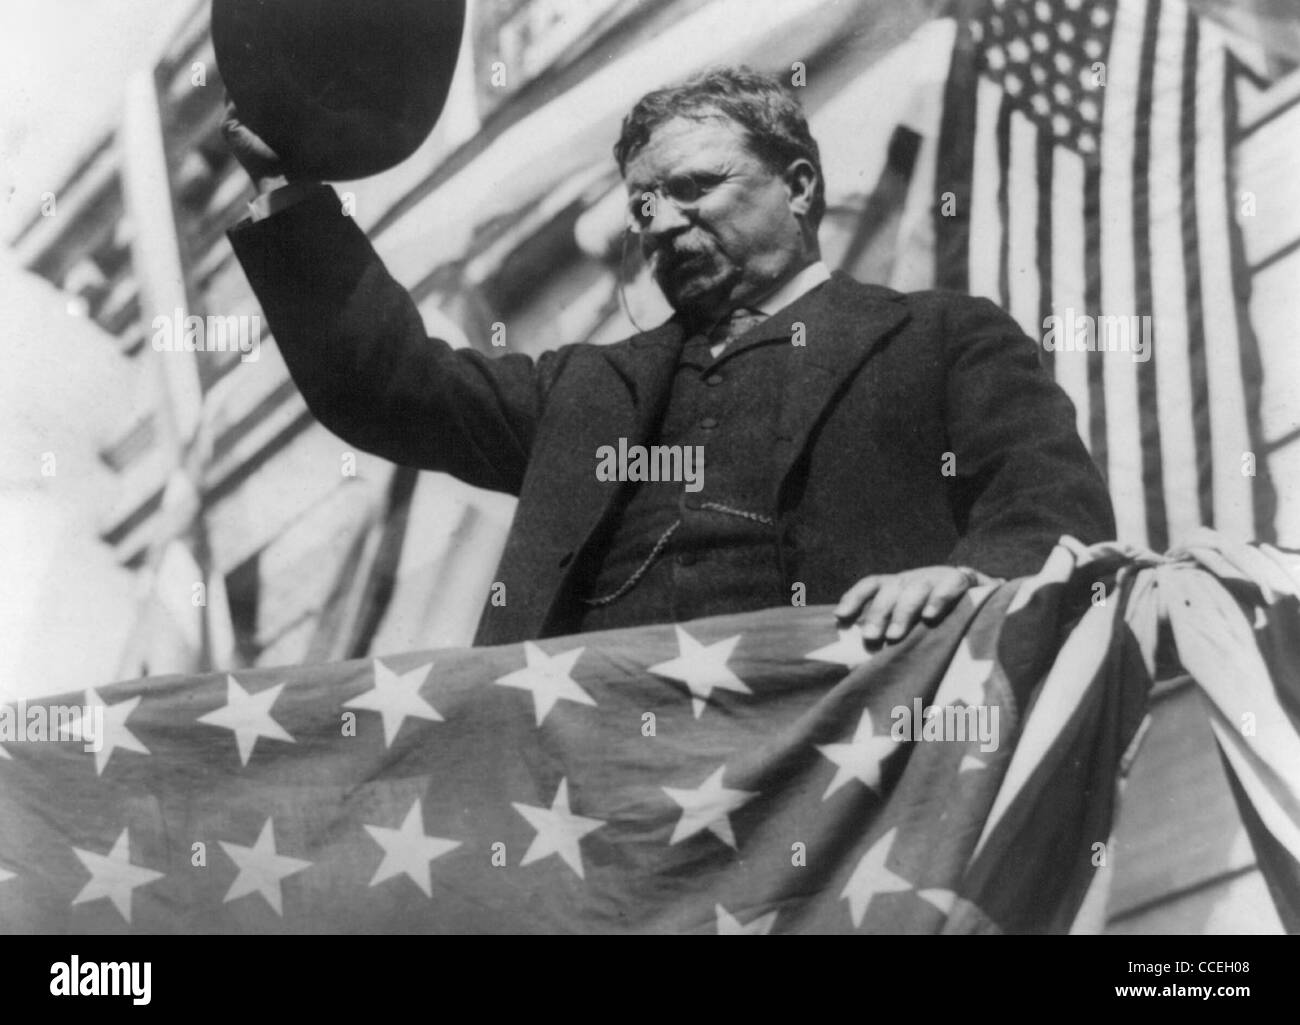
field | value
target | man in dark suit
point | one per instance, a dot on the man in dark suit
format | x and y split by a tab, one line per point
861	446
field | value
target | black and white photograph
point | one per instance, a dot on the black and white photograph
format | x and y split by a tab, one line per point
650	467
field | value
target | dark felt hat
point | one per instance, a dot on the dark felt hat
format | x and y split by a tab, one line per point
339	88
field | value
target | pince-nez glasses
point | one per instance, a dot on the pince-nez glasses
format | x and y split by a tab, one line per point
683	191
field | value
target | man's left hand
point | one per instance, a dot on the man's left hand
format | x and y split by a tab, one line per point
888	605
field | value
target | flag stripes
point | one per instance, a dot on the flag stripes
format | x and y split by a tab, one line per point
1113	236
1172	150
1092	143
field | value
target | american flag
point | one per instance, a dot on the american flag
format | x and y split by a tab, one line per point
736	774
1087	149
757	773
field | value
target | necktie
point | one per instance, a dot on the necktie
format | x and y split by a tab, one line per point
732	326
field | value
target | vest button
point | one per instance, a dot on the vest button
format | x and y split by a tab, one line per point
708	423
713	380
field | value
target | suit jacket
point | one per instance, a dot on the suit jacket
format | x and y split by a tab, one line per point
915	430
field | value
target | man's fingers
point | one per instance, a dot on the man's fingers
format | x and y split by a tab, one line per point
907	607
878	613
230	116
856	597
252	151
945	594
888	605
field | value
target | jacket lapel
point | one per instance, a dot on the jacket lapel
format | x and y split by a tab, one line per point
550	531
840	325
646	365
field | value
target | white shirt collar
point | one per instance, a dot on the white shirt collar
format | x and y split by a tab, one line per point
796	288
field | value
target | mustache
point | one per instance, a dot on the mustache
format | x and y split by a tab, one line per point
670	255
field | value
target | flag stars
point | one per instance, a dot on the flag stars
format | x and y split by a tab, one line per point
114	733
729	925
113	876
965	679
859	759
941	899
248	716
703	668
872	877
848	650
559	830
549	678
261	869
396	697
708	807
971	763
408	851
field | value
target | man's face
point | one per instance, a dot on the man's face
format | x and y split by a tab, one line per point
738	236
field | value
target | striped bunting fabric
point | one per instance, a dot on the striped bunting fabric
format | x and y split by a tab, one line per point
1085	149
757	773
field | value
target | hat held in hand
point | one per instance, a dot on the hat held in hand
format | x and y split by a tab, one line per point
339	89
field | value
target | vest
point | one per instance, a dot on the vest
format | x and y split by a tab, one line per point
675	554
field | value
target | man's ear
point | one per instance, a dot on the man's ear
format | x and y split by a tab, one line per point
801	185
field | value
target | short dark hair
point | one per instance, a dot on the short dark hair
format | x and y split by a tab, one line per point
772	118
